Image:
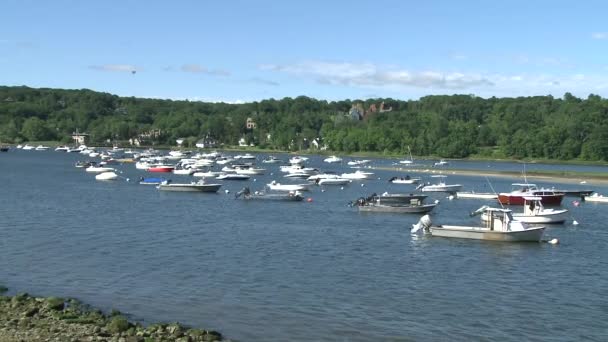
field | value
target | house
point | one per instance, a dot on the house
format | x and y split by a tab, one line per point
250	124
80	138
206	142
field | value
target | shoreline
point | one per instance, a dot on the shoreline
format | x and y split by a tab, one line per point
28	318
569	178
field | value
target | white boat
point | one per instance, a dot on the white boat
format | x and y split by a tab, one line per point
271	160
186	172
105	176
535	212
249	171
200	186
479	195
358	175
440	186
62	148
41	148
297	160
244	156
290	196
302	175
596	198
232	176
27	147
333	159
404	180
288	187
207	174
442	162
501	227
358	162
408	161
335	180
98	169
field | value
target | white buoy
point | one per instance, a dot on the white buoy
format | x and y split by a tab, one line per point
227	191
575	222
362	184
254	179
322	190
451	197
436	201
583	182
553	241
341	188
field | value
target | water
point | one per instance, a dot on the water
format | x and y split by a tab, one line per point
318	271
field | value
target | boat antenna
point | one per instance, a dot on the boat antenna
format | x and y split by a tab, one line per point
494	191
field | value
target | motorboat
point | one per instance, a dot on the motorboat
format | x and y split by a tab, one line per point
160	168
271	160
41	148
521	190
152	180
245	156
535	212
232	176
27	147
62	148
106	176
440	186
404	180
200	186
478	195
500	227
395	203
358	163
297	160
333	159
249	171
288	187
84	164
291	196
208	174
333	180
596	198
357	175
98	169
301	175
442	162
4	148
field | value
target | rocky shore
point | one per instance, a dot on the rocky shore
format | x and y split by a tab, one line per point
27	318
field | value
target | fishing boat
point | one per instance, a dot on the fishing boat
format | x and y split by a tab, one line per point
291	196
107	176
152	180
404	180
440	186
394	204
501	227
596	198
200	186
535	212
288	187
521	190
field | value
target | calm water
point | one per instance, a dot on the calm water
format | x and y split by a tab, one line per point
318	271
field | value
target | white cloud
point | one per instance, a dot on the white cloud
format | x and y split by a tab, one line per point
367	74
198	69
115	67
599	35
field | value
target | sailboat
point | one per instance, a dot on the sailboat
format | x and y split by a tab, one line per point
408	161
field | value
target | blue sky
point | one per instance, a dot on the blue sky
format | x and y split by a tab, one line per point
240	51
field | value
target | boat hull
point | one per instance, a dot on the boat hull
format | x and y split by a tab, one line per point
534	234
481	195
509	199
190	187
441	188
160	169
558	216
404	209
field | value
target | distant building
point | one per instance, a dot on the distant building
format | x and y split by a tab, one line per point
242	142
206	142
357	112
250	124
80	138
146	138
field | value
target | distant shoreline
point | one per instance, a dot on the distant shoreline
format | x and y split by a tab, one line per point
566	178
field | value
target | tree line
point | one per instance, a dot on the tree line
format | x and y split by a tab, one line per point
454	126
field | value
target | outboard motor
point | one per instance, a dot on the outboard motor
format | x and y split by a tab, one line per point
424	222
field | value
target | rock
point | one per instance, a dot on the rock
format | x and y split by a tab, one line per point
55	303
31	312
118	324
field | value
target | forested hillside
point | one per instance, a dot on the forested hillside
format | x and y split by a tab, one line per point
446	126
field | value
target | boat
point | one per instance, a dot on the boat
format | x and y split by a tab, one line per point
297	160
574	193
98	169
358	175
535	212
333	159
501	227
106	176
200	186
358	163
84	164
62	148
232	176
244	156
208	174
152	180
27	147
160	168
288	187
291	196
4	148
388	198
404	180
596	198
442	162
331	179
440	186
521	190
271	160
41	148
394	203
408	161
473	194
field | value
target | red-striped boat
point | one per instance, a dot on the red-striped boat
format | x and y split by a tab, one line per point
161	168
516	197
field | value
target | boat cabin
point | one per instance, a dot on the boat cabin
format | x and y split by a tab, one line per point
500	219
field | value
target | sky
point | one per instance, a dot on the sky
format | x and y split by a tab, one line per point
243	51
